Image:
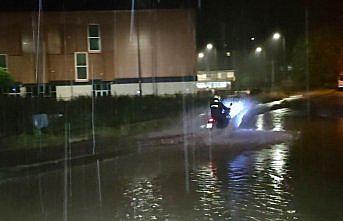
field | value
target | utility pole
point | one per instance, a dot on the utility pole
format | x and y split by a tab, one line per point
138	56
307	71
134	26
38	49
284	58
139	59
273	75
307	64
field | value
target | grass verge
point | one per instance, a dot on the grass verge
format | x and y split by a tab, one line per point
45	140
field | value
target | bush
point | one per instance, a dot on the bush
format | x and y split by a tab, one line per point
16	112
6	79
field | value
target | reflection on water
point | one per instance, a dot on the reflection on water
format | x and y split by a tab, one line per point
274	182
253	185
259	122
257	185
278	119
279	154
211	204
273	120
144	201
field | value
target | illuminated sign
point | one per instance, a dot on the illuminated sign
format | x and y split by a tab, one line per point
203	85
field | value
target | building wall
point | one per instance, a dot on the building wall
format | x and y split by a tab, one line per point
67	92
16	41
159	88
166	39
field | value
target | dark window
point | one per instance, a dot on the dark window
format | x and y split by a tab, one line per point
81	66
3	61
102	89
94	41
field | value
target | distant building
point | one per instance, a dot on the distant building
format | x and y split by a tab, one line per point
215	80
154	53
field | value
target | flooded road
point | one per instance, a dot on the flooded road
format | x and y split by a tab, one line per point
301	179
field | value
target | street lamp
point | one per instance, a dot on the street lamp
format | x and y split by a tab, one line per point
260	55
252	38
209	46
228	54
201	55
260	67
276	36
258	50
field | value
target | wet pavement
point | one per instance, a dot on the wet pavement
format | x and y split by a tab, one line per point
297	177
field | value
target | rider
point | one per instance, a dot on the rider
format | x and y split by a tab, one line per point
218	109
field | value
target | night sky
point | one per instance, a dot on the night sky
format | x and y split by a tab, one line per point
227	23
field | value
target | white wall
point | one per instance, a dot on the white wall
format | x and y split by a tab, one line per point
23	91
68	92
162	88
124	89
148	88
168	88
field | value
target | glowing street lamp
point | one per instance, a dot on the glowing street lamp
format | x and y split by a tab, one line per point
276	36
258	50
252	38
209	46
201	55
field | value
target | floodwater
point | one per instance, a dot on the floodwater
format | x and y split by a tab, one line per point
300	179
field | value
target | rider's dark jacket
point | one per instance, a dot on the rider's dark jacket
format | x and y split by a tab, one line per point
218	110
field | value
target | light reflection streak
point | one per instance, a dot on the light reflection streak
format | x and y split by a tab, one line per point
145	200
259	122
211	202
278	156
256	185
275	120
278	119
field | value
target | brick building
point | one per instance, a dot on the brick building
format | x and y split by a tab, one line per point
66	54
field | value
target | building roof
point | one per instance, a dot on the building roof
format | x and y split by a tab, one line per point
73	5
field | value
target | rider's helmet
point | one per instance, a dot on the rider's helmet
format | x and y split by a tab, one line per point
216	99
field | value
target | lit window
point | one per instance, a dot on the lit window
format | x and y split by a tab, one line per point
3	61
94	41
202	77
81	66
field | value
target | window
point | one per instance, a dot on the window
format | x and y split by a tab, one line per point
102	89
3	61
81	66
94	41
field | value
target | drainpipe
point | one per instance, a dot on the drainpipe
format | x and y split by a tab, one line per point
139	57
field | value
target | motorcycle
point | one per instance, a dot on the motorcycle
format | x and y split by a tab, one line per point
221	121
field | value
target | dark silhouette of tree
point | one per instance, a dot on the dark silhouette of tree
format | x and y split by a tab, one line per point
326	45
6	80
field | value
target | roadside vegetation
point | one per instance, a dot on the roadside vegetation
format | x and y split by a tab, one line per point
325	55
114	117
6	80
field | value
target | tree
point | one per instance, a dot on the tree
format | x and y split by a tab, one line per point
6	79
325	48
